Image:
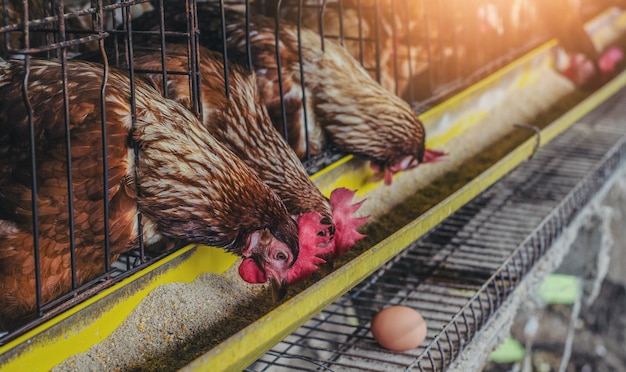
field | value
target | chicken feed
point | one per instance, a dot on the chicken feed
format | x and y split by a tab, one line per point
178	322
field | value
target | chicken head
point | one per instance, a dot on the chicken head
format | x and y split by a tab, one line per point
272	260
404	163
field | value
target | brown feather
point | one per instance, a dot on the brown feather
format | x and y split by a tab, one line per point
191	187
357	114
241	123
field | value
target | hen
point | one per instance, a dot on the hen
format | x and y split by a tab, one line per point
562	19
240	122
186	185
357	114
381	34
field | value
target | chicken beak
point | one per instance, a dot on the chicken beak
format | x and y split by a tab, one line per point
279	289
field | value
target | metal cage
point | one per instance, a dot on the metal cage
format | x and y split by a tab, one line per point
101	31
464	270
422	51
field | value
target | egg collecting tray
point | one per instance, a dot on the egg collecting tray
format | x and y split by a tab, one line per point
459	274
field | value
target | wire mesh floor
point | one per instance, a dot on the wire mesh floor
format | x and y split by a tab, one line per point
460	273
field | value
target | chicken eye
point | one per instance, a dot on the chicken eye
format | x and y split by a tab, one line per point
281	256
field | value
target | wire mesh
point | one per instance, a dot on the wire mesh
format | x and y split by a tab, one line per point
54	30
418	50
460	273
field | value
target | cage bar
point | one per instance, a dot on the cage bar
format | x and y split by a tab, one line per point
447	277
447	66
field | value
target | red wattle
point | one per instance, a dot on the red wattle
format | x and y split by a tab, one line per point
251	272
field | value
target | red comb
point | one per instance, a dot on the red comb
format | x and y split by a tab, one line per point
345	222
431	156
250	271
312	247
609	59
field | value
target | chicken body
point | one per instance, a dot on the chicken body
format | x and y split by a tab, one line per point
187	186
241	123
381	34
588	66
357	114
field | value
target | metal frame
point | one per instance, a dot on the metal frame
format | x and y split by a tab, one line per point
459	274
62	40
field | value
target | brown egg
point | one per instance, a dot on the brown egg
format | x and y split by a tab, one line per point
399	328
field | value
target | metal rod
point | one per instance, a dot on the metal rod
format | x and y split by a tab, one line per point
302	83
394	45
341	30
248	42
193	59
360	30
68	145
224	48
105	159
321	24
409	45
161	11
279	69
377	37
33	165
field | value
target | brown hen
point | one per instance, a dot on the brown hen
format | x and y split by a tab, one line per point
587	66
186	185
357	114
381	34
240	122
